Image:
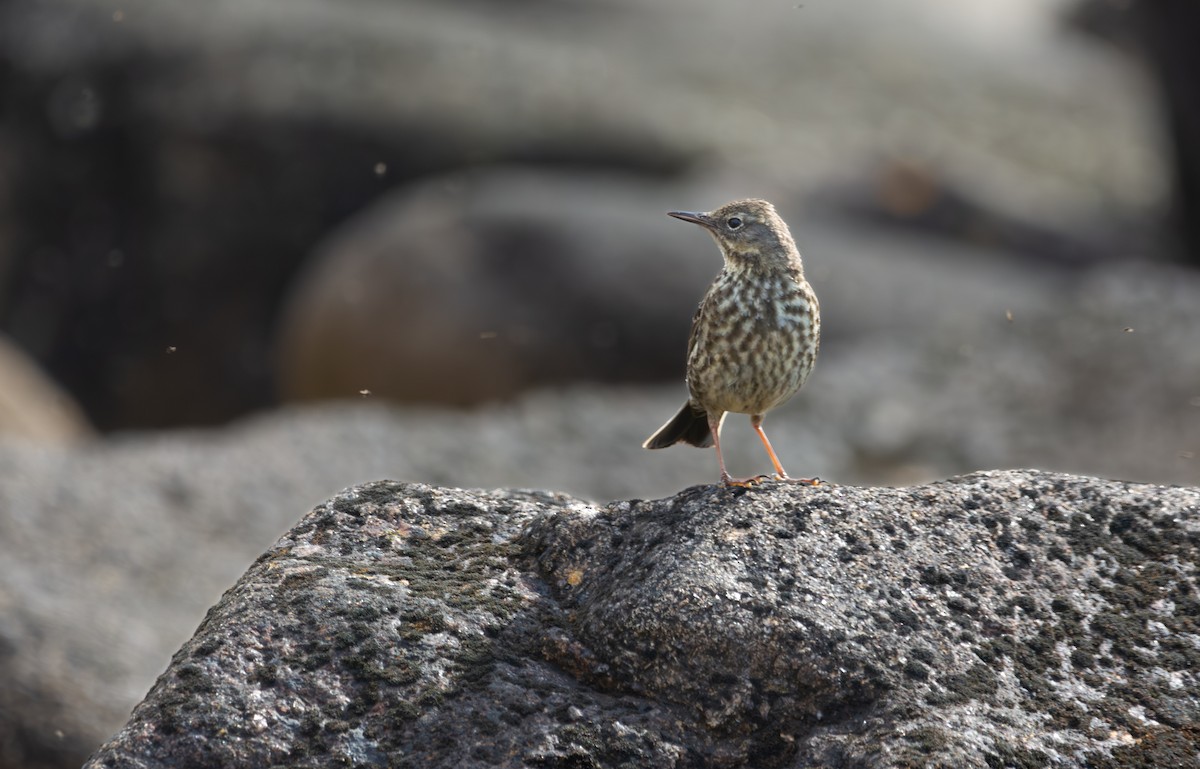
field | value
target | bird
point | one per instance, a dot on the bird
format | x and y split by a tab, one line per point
755	336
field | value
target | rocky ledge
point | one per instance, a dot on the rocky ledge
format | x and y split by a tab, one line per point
1000	619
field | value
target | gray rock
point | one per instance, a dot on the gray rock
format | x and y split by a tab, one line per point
110	552
477	286
32	406
1012	618
1099	378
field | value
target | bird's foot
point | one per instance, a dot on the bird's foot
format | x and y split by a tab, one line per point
814	481
743	483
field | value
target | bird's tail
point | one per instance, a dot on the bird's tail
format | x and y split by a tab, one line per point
690	425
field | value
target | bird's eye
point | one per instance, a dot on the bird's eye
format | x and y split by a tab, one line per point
733	222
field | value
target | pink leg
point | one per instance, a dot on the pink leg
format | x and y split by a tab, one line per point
756	422
714	424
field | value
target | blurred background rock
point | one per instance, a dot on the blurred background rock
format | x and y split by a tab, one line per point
426	241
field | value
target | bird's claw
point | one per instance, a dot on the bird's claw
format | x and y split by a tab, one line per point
744	483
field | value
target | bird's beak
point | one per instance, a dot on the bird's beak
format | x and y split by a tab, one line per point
694	217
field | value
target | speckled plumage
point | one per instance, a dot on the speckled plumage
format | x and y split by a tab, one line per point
755	337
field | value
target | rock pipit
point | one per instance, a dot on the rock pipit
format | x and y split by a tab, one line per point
755	336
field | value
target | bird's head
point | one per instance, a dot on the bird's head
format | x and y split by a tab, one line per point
747	231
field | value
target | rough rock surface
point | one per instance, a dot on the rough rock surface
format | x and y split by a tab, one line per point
1013	618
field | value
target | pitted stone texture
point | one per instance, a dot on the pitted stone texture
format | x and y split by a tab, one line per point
1013	618
1021	613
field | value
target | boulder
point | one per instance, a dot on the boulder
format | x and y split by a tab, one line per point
32	406
996	619
112	550
477	286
